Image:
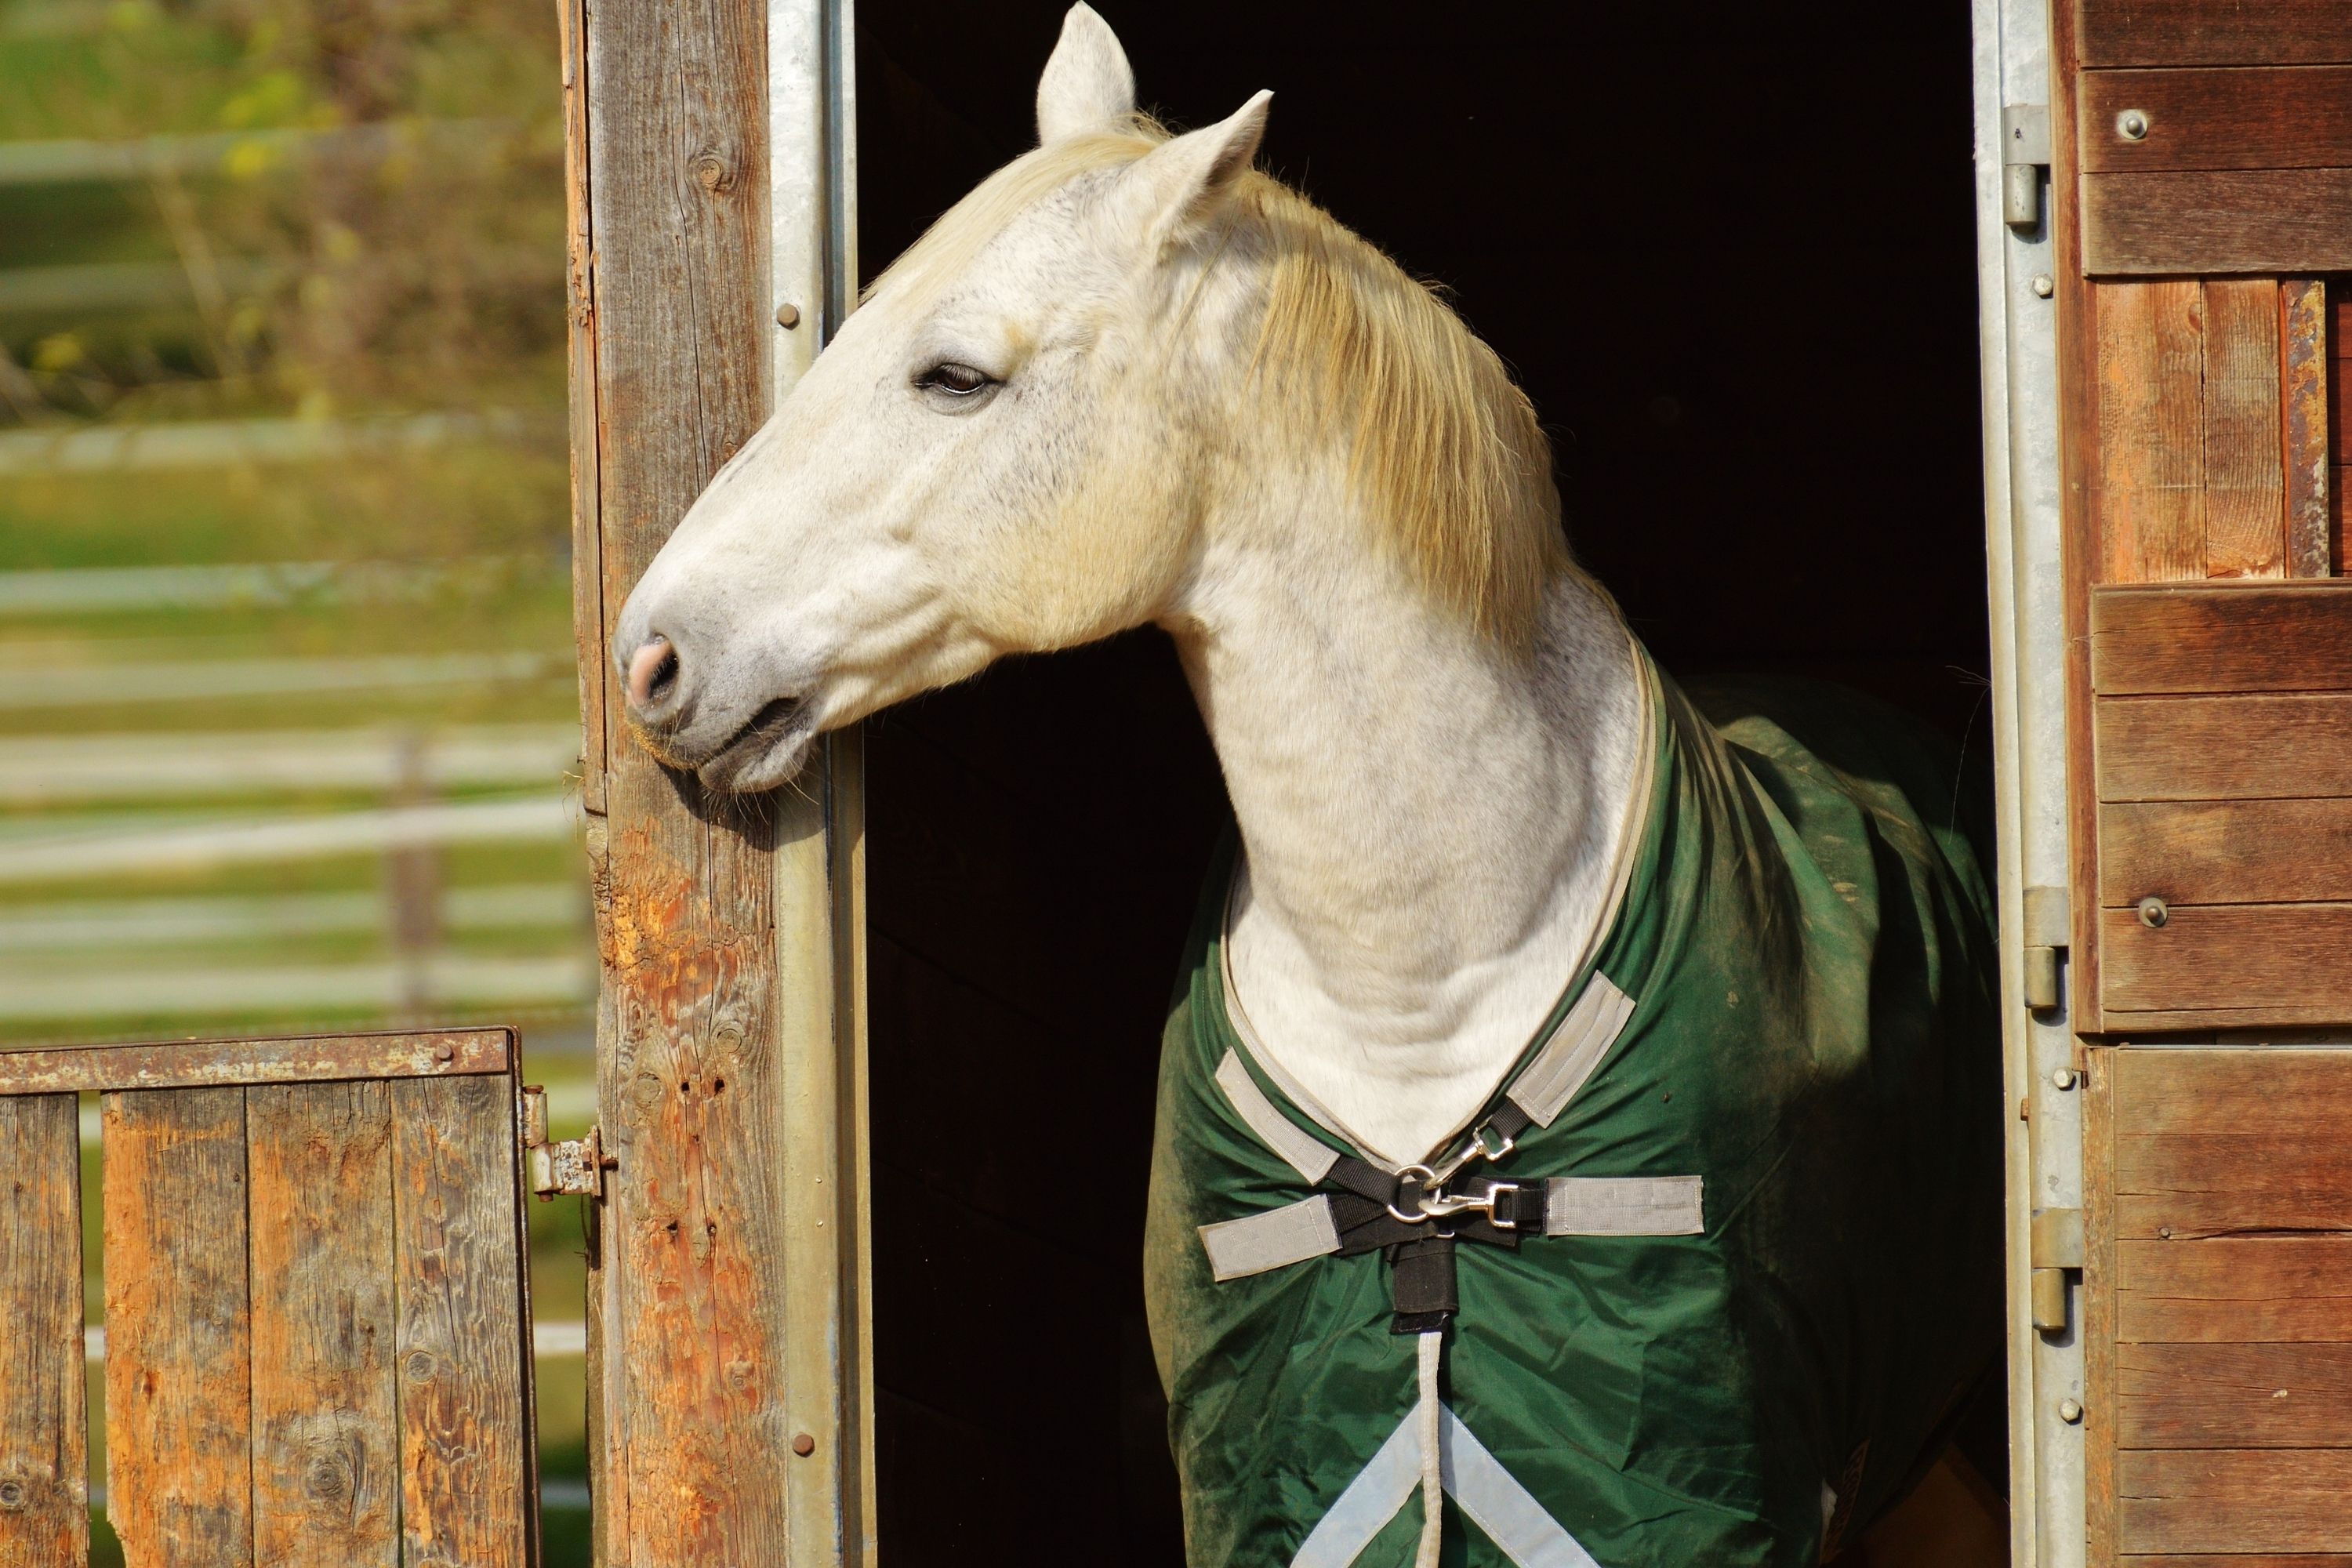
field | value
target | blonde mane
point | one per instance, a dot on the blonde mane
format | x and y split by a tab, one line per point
1444	448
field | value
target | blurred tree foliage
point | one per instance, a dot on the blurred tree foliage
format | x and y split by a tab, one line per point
339	207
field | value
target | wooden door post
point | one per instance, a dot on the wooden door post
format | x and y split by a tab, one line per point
709	170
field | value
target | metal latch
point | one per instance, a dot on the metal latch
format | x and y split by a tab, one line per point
2046	917
572	1167
2024	154
2054	1246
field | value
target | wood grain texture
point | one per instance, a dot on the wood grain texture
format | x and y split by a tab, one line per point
2292	117
2273	1092
2150	409
2257	962
2239	1560
2253	636
2202	33
44	1456
2234	1290
2270	221
179	1464
2223	748
2234	1396
180	1064
669	116
2245	482
2306	457
2099	1301
463	1374
2226	852
2190	1185
326	1447
2258	1499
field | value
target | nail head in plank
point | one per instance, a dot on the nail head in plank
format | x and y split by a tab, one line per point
44	1456
2222	637
2287	116
179	1349
296	1059
464	1385
326	1456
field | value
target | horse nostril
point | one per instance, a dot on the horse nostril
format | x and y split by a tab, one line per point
653	670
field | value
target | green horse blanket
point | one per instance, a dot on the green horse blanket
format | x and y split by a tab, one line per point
1705	1284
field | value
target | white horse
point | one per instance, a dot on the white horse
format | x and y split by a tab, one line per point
1131	380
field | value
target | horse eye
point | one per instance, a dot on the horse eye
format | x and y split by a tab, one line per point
956	380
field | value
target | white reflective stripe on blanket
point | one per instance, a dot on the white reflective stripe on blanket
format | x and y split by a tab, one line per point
1307	1155
1624	1206
1490	1495
1575	1049
1274	1240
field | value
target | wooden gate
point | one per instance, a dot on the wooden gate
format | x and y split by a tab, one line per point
317	1313
2201	163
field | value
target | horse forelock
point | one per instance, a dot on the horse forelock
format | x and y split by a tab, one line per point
1445	452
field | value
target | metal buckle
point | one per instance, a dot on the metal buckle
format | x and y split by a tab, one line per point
1436	1202
1490	1155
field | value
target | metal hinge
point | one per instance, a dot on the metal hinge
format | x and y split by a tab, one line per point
2047	914
2054	1248
572	1167
2024	154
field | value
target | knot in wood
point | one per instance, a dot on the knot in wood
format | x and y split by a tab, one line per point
712	172
420	1366
327	1475
12	1495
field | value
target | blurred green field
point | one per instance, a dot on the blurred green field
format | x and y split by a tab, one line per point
344	223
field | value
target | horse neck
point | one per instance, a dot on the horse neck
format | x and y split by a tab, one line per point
1430	824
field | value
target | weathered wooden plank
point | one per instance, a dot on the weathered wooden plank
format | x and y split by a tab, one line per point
2251	1500
2236	1560
2202	33
2270	221
2234	1290
2234	1396
2150	473
2245	482
2196	1185
2218	637
326	1447
187	1064
2245	958
463	1375
179	1361
2290	117
2306	456
2223	748
44	1456
672	105
2279	1093
2097	1334
596	674
2226	852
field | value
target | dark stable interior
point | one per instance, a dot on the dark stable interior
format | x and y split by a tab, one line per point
1729	251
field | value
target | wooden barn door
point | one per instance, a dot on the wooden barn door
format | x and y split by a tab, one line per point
2202	156
317	1329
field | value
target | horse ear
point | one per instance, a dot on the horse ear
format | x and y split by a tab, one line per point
1088	85
1180	182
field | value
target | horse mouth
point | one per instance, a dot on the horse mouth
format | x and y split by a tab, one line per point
763	753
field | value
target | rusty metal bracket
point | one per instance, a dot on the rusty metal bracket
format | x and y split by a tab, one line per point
569	1167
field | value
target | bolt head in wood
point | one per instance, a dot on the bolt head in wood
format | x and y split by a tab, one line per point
2153	912
2044	285
803	1444
2064	1077
788	316
2070	1411
2132	125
